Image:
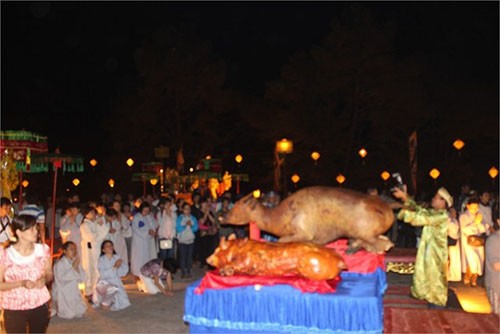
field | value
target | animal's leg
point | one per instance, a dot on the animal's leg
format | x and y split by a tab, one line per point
379	245
354	246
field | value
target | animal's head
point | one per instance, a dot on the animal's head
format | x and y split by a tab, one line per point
224	253
242	211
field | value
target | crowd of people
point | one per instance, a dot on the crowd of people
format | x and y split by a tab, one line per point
151	237
98	243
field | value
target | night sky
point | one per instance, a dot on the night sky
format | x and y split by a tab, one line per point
64	63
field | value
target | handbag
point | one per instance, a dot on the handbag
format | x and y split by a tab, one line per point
476	240
165	243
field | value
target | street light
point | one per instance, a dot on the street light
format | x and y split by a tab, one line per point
385	175
493	172
295	179
315	156
238	159
363	153
282	148
93	162
458	144
434	173
129	162
76	182
340	179
25	183
153	183
111	183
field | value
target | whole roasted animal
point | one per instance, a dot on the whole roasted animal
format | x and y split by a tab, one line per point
320	215
244	256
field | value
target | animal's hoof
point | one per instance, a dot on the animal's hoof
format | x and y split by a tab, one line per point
352	250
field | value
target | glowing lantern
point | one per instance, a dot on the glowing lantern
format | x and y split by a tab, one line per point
315	156
238	158
25	183
153	182
93	162
458	144
340	178
129	162
111	183
363	153
434	173
295	178
256	193
493	172
385	175
284	146
76	182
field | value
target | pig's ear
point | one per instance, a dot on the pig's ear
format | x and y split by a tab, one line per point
253	203
223	243
232	236
246	198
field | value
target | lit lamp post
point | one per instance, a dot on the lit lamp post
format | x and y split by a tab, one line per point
111	183
129	162
434	173
385	175
295	179
238	158
363	153
153	183
340	179
162	185
493	172
93	163
75	182
315	156
283	147
25	183
458	145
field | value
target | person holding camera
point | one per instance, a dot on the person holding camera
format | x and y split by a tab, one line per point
430	281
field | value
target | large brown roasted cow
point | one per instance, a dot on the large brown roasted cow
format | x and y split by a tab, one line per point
320	215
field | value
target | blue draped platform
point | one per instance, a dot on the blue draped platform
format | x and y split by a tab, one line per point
355	307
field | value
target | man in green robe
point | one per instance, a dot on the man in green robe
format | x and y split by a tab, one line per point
430	281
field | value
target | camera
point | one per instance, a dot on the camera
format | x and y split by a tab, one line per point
396	182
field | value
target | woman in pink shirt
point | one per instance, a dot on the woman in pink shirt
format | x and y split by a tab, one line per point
25	269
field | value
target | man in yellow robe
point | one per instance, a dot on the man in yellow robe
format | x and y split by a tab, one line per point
430	281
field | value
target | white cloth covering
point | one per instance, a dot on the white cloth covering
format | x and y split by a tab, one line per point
142	249
147	285
93	234
455	268
118	240
67	299
109	289
471	256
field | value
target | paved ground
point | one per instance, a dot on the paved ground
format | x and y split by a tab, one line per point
147	314
160	314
